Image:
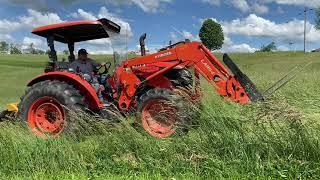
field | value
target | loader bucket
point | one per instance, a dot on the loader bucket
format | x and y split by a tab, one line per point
243	79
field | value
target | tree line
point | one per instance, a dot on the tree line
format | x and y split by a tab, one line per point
10	48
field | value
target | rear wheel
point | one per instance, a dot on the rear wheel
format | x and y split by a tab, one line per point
163	113
46	106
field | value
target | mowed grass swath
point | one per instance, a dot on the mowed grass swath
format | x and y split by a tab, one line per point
278	138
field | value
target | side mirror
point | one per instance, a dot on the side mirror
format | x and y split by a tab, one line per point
142	44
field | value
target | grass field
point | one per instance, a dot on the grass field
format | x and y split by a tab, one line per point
276	139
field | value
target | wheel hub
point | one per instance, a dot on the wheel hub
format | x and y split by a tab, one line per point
159	118
46	117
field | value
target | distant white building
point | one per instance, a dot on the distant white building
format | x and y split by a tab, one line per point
138	52
4	52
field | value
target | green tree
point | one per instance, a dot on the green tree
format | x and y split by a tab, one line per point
268	48
39	51
4	46
32	50
14	49
211	34
66	52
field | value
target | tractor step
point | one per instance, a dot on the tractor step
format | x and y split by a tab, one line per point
10	112
3	114
243	79
7	115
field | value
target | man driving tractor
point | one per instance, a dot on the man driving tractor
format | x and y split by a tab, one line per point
84	64
89	67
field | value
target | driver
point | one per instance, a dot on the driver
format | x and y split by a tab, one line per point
84	64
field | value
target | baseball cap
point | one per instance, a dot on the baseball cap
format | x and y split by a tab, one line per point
82	52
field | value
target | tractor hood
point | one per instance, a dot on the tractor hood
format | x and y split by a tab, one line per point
77	31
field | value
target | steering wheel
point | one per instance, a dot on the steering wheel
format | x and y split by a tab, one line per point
106	67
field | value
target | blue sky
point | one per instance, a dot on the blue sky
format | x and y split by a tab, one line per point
247	24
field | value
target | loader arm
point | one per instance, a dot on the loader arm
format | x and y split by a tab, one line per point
189	54
233	85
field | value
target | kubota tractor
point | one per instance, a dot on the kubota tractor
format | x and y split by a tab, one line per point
158	87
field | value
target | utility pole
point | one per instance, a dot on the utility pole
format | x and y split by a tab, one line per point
305	13
305	29
127	43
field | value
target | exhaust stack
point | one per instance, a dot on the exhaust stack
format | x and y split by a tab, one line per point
142	44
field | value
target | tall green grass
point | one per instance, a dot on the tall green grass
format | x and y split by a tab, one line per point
275	139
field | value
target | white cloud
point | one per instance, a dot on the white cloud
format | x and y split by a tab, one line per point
280	10
212	2
125	26
35	18
96	51
180	36
190	36
83	14
29	21
115	42
241	48
5	37
283	48
255	26
150	5
260	9
260	6
227	41
308	3
42	5
242	5
104	13
37	43
100	42
174	37
230	46
7	26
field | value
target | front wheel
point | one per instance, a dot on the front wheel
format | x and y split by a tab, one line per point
163	113
46	106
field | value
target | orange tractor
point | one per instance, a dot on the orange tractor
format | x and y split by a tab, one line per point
159	87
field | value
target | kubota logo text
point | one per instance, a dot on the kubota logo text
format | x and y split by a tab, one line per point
163	55
207	66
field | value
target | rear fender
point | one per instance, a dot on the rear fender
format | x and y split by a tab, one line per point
77	82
